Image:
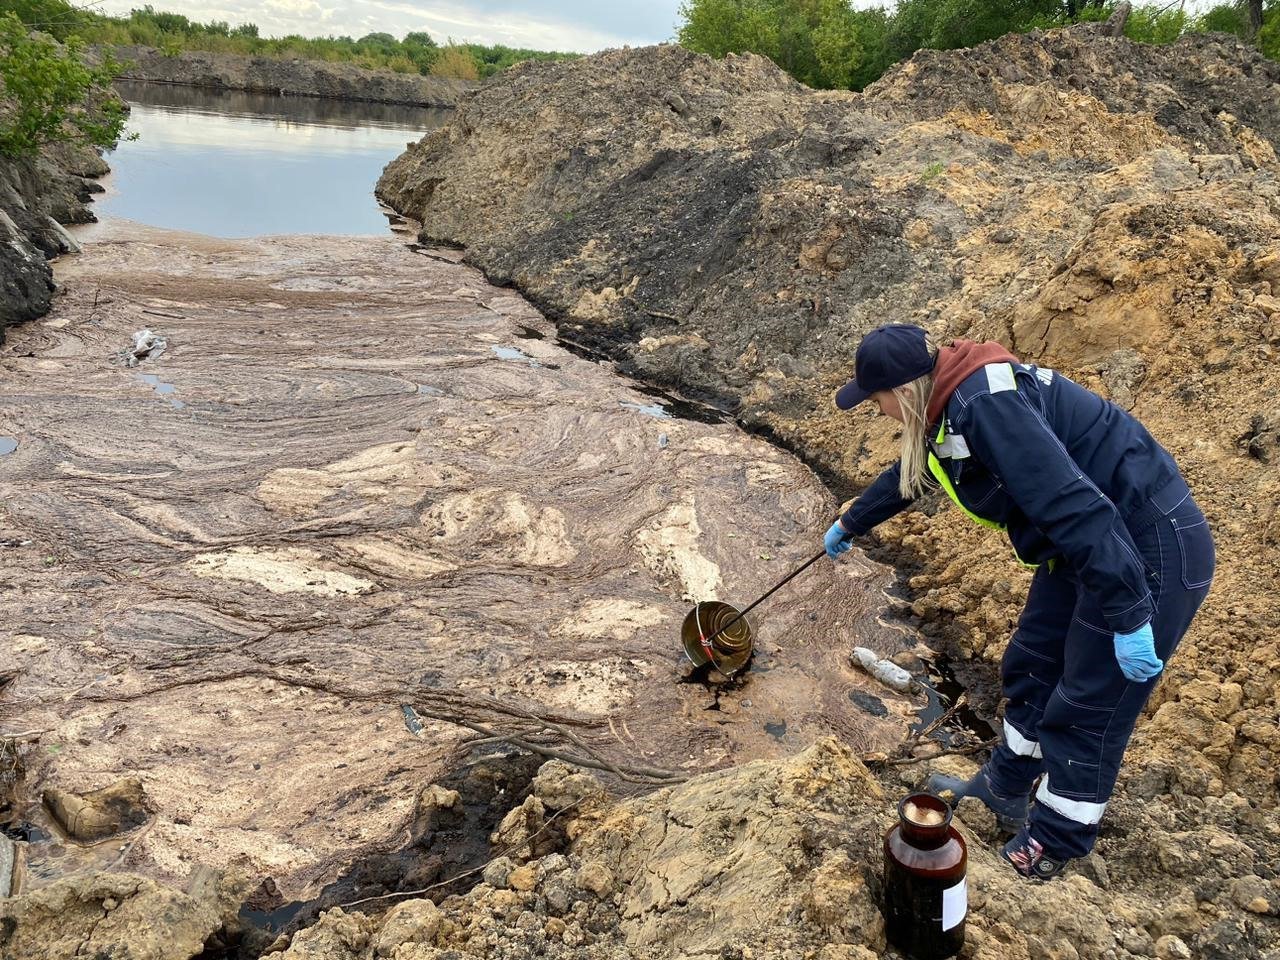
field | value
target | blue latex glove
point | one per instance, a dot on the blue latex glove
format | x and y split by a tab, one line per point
837	540
1136	654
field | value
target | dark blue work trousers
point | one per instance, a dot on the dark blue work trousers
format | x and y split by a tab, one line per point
1071	711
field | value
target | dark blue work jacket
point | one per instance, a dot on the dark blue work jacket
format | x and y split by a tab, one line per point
1065	473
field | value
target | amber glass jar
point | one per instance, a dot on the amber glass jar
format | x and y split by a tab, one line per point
924	880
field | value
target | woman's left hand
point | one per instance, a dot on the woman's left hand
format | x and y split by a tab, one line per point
837	540
1136	654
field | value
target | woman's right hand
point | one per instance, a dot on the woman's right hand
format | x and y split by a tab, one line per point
837	540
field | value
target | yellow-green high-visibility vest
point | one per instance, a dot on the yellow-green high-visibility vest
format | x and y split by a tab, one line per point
944	481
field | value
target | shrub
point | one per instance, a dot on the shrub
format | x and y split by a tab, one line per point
454	61
51	95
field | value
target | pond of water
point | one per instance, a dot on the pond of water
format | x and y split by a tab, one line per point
234	164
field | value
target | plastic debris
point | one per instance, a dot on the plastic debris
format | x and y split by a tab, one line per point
146	346
412	722
886	671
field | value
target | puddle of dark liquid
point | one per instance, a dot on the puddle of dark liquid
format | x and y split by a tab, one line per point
776	730
513	353
942	691
165	390
868	703
26	832
684	409
272	921
412	722
649	409
7	445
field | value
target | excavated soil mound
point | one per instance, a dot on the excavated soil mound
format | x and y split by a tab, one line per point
1106	208
770	860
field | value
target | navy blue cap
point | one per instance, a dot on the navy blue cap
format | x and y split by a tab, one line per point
888	357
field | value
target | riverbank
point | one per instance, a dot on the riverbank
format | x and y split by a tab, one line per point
38	196
294	78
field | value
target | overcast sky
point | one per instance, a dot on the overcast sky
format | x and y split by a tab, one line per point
580	25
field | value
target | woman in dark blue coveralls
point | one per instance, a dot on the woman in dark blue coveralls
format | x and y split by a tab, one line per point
1123	560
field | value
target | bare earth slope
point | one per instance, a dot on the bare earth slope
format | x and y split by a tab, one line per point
1107	208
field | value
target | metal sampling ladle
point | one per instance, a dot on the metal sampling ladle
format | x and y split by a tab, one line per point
705	641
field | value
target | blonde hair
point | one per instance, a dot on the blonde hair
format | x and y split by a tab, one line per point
913	398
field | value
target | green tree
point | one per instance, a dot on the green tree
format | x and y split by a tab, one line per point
1224	18
1152	24
718	27
48	94
55	17
838	45
819	42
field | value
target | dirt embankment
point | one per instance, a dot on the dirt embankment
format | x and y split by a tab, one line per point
771	860
1106	208
1087	200
295	77
37	197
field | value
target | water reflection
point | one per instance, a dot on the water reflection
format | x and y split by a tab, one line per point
234	164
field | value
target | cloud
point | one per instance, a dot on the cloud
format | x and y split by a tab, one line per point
582	26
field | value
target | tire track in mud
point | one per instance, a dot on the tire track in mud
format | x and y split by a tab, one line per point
361	473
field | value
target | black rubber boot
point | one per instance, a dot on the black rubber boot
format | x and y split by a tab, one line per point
1011	812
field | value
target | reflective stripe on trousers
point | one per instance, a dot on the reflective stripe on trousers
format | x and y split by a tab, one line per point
1063	683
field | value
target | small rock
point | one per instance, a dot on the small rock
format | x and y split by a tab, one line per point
559	785
1094	868
411	921
1172	948
1251	893
1004	235
1267	303
101	813
498	872
596	877
558	895
434	808
555	927
1138	942
516	832
549	866
523	878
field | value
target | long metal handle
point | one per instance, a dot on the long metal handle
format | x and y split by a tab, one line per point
776	587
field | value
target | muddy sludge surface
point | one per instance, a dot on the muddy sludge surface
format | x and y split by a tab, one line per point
362	479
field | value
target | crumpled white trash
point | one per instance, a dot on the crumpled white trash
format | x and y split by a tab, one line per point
886	671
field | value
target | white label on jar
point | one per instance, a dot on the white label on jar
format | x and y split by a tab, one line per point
955	904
